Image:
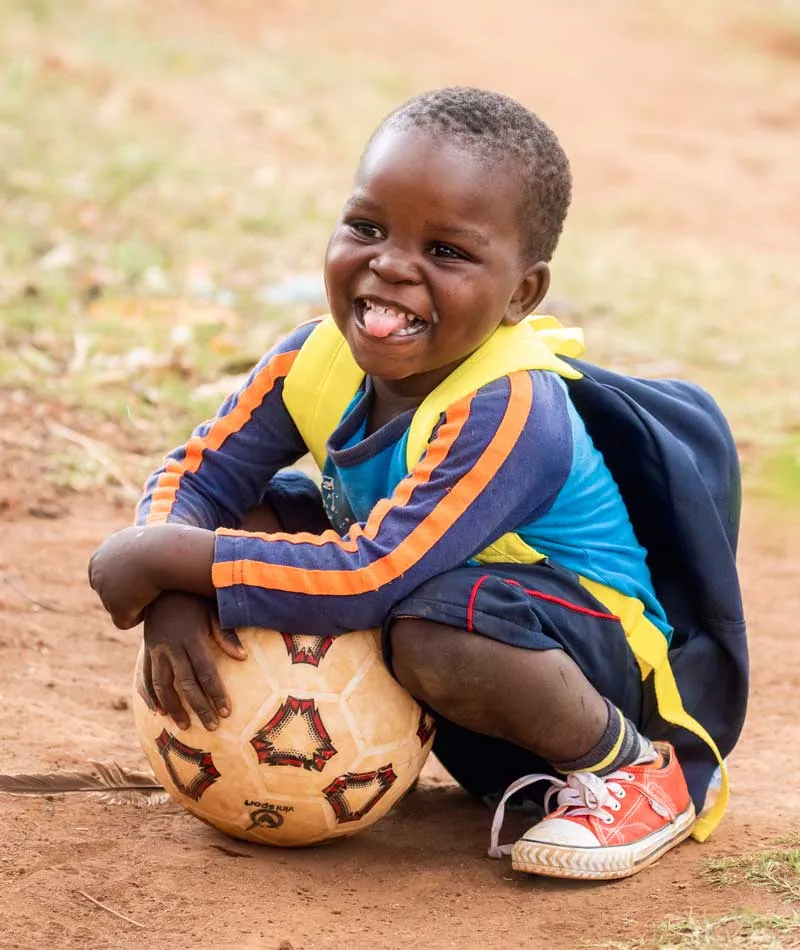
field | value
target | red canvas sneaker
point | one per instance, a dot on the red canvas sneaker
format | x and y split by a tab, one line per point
604	827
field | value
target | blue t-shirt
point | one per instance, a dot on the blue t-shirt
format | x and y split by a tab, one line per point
585	528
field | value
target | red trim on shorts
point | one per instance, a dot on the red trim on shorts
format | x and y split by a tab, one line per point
557	600
471	602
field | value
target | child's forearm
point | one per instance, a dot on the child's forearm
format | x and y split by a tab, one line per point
134	566
179	557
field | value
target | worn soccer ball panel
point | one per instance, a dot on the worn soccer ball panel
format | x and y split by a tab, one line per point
320	743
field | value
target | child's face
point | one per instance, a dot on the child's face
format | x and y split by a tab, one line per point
426	260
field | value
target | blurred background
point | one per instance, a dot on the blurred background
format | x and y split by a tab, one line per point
170	173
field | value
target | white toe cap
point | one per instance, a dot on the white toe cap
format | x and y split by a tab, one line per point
558	831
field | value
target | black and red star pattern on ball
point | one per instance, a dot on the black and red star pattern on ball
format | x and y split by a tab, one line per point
379	781
207	773
306	648
296	735
426	727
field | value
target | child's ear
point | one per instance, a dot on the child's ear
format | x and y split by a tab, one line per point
529	294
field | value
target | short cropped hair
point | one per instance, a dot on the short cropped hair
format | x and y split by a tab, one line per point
501	130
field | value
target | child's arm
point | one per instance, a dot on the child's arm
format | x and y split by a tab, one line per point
135	565
222	471
497	460
213	480
219	475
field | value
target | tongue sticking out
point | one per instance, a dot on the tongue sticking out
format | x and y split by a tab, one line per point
381	323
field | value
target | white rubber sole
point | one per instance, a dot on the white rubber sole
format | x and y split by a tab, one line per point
601	864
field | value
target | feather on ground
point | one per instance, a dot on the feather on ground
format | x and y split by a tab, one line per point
111	785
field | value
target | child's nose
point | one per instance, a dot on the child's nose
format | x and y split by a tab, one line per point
395	267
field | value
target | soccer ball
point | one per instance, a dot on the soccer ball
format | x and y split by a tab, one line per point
320	743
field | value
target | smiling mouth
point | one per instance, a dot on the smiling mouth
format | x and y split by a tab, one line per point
381	320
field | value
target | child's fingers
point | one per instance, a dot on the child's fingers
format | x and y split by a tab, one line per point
192	677
207	675
228	641
147	682
166	695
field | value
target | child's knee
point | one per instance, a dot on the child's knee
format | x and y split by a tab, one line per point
424	657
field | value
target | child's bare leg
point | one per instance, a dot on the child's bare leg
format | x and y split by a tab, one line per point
539	700
262	518
624	808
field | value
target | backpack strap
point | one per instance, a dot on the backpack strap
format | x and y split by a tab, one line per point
325	377
320	385
532	344
651	650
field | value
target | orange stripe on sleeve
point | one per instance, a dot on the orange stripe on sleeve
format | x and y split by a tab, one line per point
448	433
421	539
166	489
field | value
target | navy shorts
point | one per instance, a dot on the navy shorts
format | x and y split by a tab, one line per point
530	606
533	607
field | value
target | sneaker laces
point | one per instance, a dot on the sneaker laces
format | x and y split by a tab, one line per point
585	793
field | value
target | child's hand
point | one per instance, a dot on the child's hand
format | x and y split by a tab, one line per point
178	661
134	565
118	572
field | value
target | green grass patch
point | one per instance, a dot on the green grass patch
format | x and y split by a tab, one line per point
777	870
778	475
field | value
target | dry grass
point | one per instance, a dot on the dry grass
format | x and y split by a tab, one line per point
728	932
154	183
778	870
158	179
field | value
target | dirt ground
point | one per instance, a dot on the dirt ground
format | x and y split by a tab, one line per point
420	878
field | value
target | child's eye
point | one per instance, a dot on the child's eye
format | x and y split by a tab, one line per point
446	252
366	230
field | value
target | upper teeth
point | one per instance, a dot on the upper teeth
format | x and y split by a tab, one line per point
389	311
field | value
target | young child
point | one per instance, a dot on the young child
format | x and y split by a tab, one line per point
464	507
